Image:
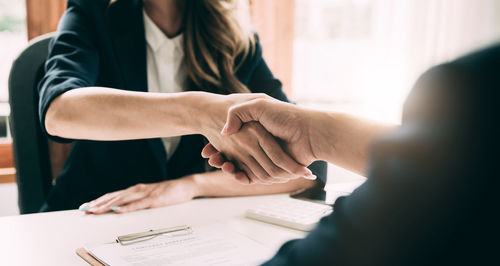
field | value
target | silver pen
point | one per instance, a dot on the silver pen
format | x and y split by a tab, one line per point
126	239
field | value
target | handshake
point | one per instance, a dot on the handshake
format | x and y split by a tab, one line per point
265	141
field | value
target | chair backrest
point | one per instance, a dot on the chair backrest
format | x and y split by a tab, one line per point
31	153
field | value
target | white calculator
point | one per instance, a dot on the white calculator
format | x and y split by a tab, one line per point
293	213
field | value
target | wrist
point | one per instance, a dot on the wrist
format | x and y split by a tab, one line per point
194	106
207	112
321	135
193	185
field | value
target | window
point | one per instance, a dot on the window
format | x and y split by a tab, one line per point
363	56
13	38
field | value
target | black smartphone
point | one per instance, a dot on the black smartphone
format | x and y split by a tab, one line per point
318	194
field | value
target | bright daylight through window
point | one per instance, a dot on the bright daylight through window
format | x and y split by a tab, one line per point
363	56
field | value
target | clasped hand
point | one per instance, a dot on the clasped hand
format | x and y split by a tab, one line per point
270	132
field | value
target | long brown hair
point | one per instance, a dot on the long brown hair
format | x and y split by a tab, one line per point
216	42
214	39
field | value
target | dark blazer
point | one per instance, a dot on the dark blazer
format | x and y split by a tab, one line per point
102	45
431	197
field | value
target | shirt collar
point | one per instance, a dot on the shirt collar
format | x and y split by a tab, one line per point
156	38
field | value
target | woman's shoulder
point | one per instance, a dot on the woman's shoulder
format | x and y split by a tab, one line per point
84	12
89	4
100	12
254	55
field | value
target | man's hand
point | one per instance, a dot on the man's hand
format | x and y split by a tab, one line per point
252	148
289	123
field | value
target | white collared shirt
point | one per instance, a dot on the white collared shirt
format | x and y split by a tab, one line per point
166	70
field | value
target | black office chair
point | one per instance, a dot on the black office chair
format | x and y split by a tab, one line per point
31	153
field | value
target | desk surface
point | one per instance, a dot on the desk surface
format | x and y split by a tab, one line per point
52	238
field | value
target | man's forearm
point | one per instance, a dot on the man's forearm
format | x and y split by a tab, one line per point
343	139
219	184
307	134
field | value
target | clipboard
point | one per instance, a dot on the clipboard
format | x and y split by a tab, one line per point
131	239
82	253
203	245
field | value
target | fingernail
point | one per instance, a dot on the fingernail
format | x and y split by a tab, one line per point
84	207
310	177
115	208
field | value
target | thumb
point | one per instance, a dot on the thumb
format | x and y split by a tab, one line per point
239	114
233	124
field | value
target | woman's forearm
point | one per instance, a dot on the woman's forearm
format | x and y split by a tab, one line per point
219	184
99	113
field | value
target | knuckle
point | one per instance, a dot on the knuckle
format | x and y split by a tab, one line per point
261	95
273	154
103	197
249	128
286	165
116	200
139	186
261	101
232	110
280	169
155	194
255	128
246	143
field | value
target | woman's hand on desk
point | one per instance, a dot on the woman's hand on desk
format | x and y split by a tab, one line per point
143	196
209	184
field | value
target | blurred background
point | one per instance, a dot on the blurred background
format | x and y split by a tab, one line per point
354	56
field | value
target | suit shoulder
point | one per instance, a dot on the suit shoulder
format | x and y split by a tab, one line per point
90	5
253	57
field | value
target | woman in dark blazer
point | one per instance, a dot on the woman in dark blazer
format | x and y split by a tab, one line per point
97	92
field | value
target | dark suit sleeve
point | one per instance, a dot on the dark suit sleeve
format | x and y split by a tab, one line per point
73	60
260	78
406	212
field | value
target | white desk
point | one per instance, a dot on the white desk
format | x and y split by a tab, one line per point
52	238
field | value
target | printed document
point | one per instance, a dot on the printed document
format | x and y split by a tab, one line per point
204	245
